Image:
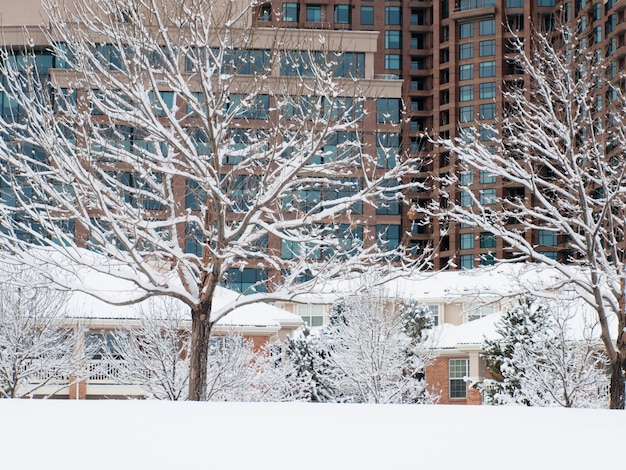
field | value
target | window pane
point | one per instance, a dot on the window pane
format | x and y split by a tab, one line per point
466	51
291	12
342	14
466	30
487	48
314	13
487	90
393	39
466	113
466	72
487	27
487	240
466	93
487	69
367	15
487	111
393	16
467	241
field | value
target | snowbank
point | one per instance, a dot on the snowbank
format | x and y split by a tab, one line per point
153	435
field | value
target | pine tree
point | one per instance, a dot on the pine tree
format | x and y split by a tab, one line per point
519	327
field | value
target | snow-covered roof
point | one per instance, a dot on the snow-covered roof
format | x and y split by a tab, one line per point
488	282
579	322
259	314
449	336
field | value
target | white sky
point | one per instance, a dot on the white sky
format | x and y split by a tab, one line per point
152	435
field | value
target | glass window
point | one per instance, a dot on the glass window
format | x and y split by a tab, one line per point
458	371
367	15
291	12
466	178
487	48
466	30
515	3
487	27
467	241
393	61
247	280
476	312
466	261
393	39
388	236
312	314
342	14
434	313
487	240
466	51
314	13
545	3
466	72
388	110
388	202
466	93
465	199
486	133
486	177
488	197
488	259
487	69
487	90
393	16
387	147
466	113
487	111
547	238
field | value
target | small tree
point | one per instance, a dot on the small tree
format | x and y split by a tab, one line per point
154	354
545	358
559	157
239	373
370	352
184	147
41	352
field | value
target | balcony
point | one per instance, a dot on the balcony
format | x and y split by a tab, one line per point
467	8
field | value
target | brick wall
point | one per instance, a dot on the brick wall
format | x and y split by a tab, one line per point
437	378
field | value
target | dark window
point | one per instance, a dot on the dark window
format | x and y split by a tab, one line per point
343	14
314	13
393	16
291	12
367	15
466	30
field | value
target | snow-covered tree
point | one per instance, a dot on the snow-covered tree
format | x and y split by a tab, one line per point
308	356
370	352
185	148
559	152
239	373
544	357
41	352
154	353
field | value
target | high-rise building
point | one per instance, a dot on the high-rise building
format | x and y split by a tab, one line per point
453	58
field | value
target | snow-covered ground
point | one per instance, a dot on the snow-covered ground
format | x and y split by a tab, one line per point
147	435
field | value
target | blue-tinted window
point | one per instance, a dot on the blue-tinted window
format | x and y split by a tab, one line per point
393	16
247	280
388	110
367	15
342	14
291	12
466	30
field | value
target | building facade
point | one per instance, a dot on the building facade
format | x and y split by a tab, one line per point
454	60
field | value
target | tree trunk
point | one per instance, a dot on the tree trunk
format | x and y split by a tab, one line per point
200	335
617	385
